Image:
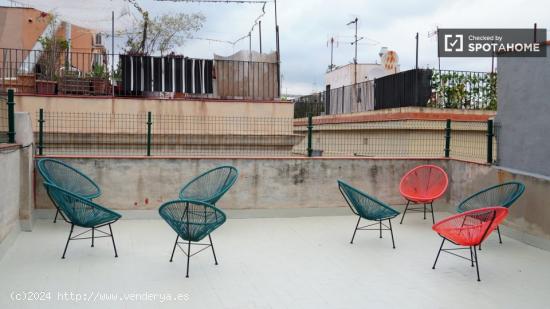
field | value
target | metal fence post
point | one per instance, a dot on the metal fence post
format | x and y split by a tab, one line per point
149	123
490	135
448	138
41	132
309	134
11	117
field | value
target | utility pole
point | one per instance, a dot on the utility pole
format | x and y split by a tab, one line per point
354	93
250	46
278	51
416	51
331	53
260	33
113	53
355	21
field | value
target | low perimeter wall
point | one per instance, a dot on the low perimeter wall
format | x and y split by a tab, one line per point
305	186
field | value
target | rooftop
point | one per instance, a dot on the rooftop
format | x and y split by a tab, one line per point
304	262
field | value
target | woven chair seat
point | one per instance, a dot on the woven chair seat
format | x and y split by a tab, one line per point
210	186
192	220
365	205
472	227
67	177
79	210
424	184
503	195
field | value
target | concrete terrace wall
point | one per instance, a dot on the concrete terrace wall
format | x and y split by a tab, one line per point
16	204
176	107
529	219
144	184
523	107
288	186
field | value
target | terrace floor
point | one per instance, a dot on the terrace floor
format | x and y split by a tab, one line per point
303	262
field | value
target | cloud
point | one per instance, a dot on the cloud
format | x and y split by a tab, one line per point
306	25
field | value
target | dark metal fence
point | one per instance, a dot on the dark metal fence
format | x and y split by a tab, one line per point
408	88
314	104
63	73
431	88
102	74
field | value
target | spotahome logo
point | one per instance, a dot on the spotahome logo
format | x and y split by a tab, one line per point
491	42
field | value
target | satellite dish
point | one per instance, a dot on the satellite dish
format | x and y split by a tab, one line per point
390	60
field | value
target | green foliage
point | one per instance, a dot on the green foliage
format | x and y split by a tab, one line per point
99	71
53	48
164	33
463	90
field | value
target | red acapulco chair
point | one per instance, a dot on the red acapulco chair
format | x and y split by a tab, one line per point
468	230
423	185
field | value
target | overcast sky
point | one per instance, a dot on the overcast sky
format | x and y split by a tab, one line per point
307	25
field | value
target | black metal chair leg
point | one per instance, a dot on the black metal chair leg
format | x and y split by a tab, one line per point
113	239
380	223
68	239
472	256
391	232
433	214
93	230
188	258
355	231
498	231
438	252
56	213
477	264
424	211
403	217
213	252
174	250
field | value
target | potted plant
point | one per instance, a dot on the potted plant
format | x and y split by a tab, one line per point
50	60
99	79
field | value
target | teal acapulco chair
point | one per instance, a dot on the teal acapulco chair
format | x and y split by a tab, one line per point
211	185
501	195
69	178
80	211
369	208
192	221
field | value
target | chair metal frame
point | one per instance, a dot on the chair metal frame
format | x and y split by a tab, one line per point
378	221
189	242
92	229
473	250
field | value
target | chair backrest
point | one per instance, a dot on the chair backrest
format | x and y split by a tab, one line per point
210	186
472	227
365	205
504	194
67	177
191	219
78	209
425	181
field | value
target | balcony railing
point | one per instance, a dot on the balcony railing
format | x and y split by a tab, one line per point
100	74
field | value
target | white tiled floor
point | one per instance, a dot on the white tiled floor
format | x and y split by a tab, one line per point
274	263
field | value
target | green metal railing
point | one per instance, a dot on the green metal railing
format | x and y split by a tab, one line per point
7	117
151	134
